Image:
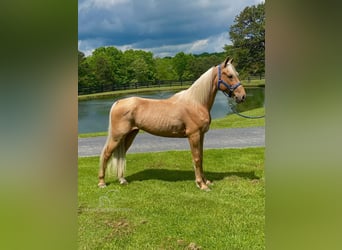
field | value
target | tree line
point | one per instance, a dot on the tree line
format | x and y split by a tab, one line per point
109	68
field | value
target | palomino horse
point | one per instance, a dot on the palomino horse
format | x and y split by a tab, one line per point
185	114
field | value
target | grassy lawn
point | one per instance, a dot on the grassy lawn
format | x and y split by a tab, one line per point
235	121
161	207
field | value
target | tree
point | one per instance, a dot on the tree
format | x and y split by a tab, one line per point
140	71
205	60
138	66
105	66
181	63
85	76
248	37
164	69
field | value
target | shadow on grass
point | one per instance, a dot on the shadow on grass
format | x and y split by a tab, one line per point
181	175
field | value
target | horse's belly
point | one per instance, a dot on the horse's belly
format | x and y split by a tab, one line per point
164	128
164	133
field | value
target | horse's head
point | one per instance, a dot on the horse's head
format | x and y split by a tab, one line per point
228	81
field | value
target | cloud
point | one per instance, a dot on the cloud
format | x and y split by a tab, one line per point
163	27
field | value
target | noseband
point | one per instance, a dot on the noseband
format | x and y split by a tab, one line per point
231	88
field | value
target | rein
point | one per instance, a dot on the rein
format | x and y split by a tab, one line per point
231	88
232	107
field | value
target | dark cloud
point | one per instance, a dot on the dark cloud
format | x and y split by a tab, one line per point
153	24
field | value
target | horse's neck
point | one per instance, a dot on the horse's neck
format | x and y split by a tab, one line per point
203	90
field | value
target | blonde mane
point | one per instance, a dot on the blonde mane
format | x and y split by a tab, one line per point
200	89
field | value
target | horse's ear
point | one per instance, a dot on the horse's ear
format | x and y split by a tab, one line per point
227	61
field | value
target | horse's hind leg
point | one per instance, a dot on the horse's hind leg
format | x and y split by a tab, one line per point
130	137
106	154
128	142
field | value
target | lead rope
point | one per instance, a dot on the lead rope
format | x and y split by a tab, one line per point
232	107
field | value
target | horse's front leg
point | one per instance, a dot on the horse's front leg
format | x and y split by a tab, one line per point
196	145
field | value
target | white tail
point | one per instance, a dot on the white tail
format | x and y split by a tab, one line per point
117	163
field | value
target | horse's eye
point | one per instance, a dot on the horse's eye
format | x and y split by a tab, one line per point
230	76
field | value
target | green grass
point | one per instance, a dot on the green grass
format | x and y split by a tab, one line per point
161	207
254	83
94	134
235	121
230	121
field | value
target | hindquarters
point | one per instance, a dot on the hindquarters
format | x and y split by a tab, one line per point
121	134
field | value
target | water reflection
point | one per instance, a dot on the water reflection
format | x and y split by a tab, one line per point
93	114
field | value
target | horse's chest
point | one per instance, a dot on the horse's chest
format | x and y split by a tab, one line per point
199	120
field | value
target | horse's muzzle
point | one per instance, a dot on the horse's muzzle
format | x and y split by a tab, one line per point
239	99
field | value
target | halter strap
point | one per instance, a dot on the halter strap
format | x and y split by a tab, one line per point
231	88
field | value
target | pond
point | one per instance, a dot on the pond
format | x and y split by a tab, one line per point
93	114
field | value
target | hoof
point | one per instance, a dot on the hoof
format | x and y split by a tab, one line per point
202	186
205	188
123	181
209	183
101	185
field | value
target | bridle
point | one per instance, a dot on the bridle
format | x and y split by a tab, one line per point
230	87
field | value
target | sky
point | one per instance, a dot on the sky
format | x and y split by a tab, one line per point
164	27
